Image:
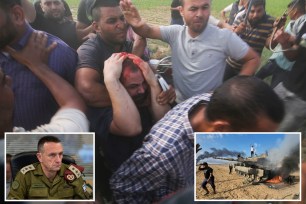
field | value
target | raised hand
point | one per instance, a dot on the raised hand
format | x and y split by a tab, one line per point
113	66
36	51
130	13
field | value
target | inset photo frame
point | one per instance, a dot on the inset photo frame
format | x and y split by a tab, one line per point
247	166
50	166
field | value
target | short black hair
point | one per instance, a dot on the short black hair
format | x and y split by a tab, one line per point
45	139
6	4
205	163
95	10
241	100
298	4
259	3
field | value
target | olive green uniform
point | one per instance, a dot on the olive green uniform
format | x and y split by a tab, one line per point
31	183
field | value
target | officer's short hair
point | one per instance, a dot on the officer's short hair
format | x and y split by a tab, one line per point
45	139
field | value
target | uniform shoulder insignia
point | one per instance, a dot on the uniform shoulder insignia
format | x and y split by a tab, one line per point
25	169
73	172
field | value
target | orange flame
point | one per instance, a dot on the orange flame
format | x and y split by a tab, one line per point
275	179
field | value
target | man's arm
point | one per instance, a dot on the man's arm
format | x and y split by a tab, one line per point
18	189
35	56
139	25
140	177
139	45
287	42
251	62
88	84
83	31
126	118
158	110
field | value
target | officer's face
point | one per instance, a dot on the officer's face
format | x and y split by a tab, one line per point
51	157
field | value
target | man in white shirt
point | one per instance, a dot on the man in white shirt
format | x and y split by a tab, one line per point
199	50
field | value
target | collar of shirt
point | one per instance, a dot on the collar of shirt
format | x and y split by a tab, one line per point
24	39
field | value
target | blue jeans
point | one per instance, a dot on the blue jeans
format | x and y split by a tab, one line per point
295	109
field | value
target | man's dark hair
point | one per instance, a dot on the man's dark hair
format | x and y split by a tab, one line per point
298	4
258	3
7	4
45	139
242	100
96	14
205	164
128	64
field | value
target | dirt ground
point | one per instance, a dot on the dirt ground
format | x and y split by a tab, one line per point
235	187
157	16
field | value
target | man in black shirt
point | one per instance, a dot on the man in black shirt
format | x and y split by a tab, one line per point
54	21
208	177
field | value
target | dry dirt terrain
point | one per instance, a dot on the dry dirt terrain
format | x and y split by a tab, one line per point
234	187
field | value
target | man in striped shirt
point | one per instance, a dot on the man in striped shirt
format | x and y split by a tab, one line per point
254	27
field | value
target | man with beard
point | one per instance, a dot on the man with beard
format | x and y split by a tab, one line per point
49	178
199	50
255	28
111	30
133	89
34	104
53	21
165	162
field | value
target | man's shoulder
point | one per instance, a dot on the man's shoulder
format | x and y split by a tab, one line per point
61	47
28	168
92	45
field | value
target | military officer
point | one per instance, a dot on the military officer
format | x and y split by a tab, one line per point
49	178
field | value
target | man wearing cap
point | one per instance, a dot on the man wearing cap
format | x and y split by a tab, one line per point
49	178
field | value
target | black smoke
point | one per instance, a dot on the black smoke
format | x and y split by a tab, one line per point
219	153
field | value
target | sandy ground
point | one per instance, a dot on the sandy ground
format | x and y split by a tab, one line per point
235	187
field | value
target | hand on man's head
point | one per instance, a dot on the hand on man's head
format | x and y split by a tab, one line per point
113	66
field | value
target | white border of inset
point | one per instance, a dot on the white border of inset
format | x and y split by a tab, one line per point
250	133
52	133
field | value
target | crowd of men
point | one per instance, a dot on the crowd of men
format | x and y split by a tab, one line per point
85	75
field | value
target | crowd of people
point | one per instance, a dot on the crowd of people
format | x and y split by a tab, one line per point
92	74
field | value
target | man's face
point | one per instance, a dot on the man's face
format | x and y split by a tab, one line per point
256	14
135	85
53	9
8	32
196	14
51	157
6	103
112	26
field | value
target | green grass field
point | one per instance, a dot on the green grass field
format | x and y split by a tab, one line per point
160	8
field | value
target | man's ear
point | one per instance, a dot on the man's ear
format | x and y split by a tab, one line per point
38	155
181	11
221	126
17	15
96	26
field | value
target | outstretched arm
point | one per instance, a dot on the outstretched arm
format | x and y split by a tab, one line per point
126	118
139	25
35	56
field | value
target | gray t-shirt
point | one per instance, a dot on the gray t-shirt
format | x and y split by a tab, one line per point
198	63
